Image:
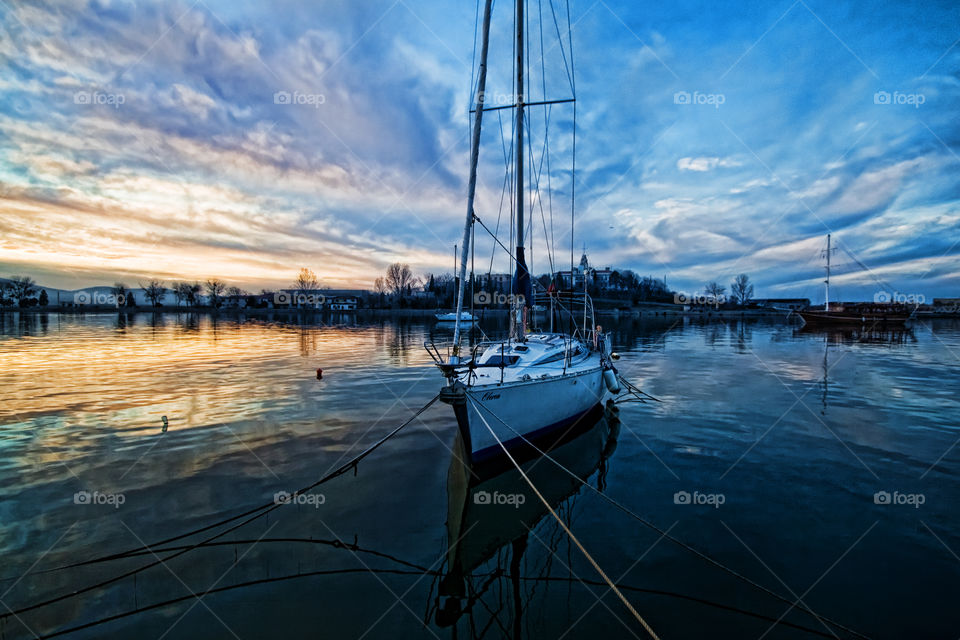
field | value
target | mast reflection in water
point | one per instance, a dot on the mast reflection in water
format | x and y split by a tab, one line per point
492	513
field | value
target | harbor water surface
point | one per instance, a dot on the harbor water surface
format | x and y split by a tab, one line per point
822	466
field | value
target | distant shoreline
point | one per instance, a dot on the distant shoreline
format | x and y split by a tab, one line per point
638	312
653	311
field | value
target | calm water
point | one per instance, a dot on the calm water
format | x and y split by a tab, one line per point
783	437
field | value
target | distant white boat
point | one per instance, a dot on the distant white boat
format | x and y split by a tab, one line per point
465	316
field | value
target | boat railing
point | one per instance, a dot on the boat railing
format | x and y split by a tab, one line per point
575	307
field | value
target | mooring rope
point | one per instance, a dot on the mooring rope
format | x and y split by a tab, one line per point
408	572
663	533
569	533
263	510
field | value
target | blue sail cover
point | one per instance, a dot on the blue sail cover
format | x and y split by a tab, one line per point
521	280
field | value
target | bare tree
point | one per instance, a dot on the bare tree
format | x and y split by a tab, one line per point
235	294
193	293
215	288
155	292
399	278
380	286
179	291
21	288
714	289
741	289
306	281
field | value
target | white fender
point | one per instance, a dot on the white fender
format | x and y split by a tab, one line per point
610	379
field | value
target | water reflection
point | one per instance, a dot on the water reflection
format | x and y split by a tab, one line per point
860	335
82	399
835	336
492	514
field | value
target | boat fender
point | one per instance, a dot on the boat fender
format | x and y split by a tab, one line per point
610	379
319	373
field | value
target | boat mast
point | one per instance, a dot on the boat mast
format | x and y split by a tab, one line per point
521	280
472	182
826	306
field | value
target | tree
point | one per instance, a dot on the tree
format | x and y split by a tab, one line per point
306	281
741	289
235	294
180	291
215	289
714	289
121	294
192	292
21	288
44	298
399	278
380	285
155	292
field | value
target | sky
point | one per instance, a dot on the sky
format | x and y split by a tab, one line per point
245	140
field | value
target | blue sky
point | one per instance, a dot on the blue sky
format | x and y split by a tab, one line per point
147	140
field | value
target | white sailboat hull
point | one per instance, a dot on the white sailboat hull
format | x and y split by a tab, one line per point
529	409
452	317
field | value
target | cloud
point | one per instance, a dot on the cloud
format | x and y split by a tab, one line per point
706	163
200	168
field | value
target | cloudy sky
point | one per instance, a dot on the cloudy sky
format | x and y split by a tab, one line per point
244	140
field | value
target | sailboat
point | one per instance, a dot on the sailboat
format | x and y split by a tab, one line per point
465	316
866	314
530	383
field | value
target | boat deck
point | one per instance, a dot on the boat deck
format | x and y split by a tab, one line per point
540	356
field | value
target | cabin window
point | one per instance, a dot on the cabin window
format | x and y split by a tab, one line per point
554	358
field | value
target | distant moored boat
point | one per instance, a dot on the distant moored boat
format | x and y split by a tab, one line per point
465	316
870	314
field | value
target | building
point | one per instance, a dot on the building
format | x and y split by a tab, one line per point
343	303
299	298
599	278
492	282
946	302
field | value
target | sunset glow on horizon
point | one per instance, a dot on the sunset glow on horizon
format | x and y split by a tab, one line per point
185	141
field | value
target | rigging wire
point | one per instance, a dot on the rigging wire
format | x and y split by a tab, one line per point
666	534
